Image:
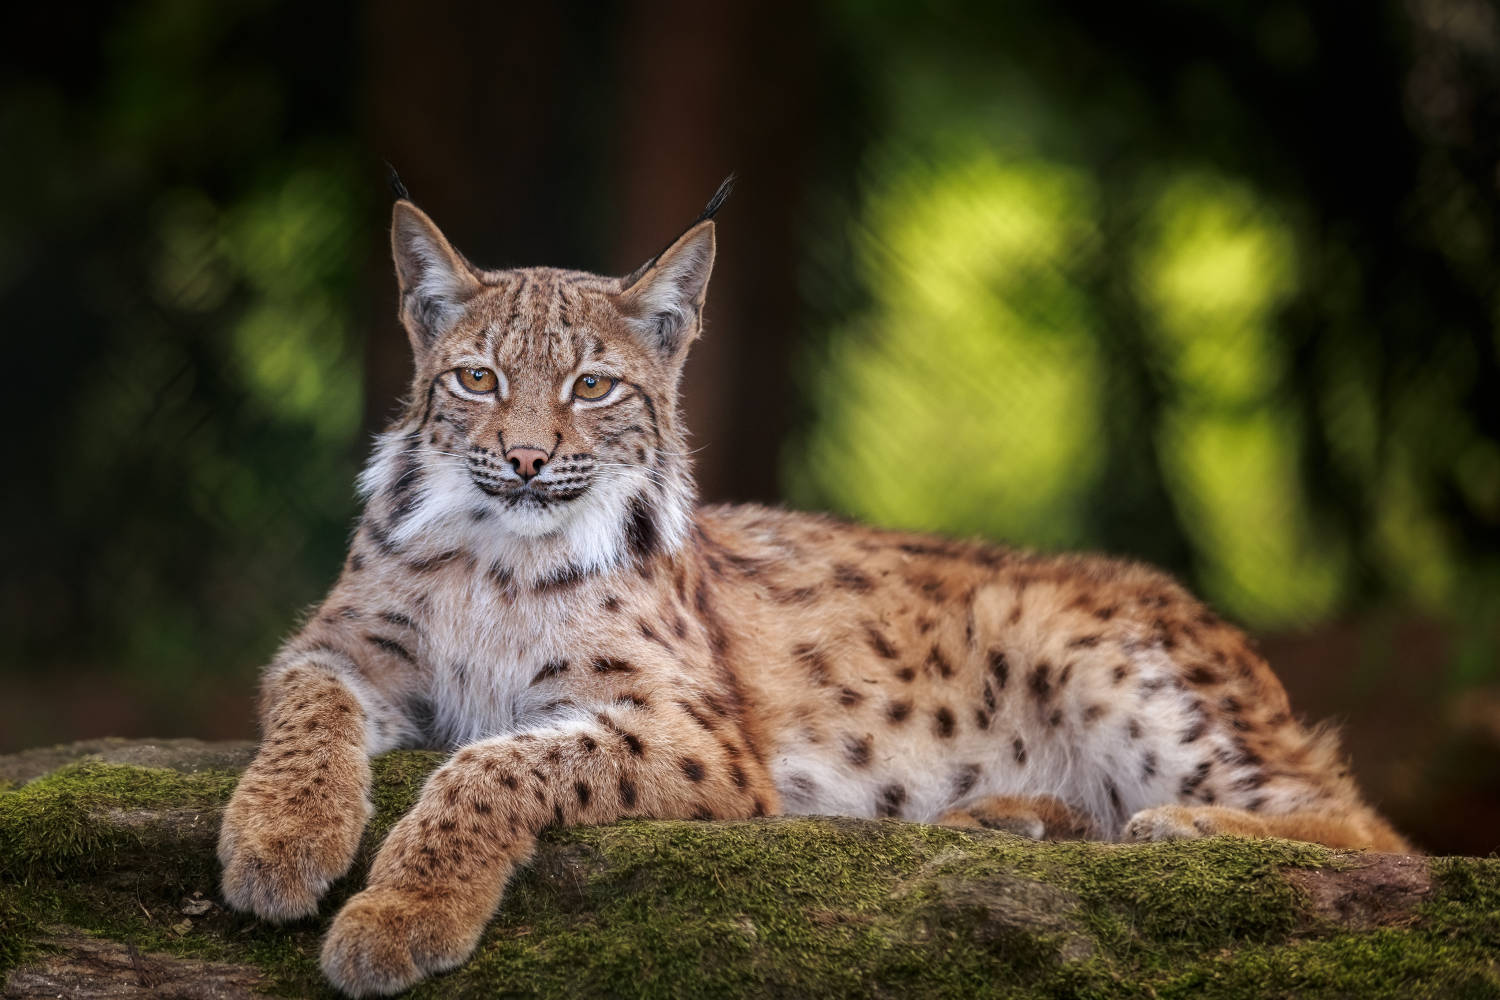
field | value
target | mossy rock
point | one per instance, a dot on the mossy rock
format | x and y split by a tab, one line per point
108	887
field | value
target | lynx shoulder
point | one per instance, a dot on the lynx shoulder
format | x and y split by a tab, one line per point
533	586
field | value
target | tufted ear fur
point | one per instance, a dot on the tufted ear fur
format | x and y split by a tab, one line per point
434	279
663	298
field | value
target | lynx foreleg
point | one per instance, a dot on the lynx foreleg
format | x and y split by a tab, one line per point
441	872
295	819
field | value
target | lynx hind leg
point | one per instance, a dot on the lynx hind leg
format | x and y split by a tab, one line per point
1039	817
1356	829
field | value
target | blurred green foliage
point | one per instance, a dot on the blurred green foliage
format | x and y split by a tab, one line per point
180	278
1109	301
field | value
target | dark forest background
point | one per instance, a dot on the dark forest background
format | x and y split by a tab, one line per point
1212	284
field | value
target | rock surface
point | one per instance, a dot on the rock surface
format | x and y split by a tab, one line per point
108	889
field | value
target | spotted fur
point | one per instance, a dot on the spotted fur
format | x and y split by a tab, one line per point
593	645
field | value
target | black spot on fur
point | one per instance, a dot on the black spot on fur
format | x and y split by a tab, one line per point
627	793
850	578
692	769
561	579
1194	732
1191	782
1114	795
880	643
939	662
1040	682
501	576
406	491
964	780
697	716
892	798
897	711
550	669
584	793
943	722
641	533
1018	750
648	633
1000	667
1084	641
392	646
610	665
633	744
1201	676
848	697
857	750
816	664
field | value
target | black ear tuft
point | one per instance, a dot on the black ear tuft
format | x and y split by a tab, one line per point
399	189
726	188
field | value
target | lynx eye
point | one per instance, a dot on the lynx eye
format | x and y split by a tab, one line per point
592	386
477	379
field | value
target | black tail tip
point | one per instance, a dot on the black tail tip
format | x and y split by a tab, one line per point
394	179
726	188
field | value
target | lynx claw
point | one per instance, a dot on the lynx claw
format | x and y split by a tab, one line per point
385	940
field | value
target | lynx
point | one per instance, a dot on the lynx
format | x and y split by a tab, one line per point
533	585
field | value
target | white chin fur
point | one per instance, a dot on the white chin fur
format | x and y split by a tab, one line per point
586	534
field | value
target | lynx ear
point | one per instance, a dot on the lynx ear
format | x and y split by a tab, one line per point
434	279
664	303
663	298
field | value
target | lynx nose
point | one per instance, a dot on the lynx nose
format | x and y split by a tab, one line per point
527	461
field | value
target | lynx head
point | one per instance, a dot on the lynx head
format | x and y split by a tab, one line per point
541	432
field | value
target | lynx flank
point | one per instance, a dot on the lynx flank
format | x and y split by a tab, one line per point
533	584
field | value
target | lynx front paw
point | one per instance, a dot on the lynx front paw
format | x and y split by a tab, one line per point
384	940
278	859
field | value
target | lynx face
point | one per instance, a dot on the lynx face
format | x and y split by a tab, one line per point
545	415
543	405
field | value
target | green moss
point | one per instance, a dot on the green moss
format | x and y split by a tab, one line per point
16	929
62	822
396	781
837	908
